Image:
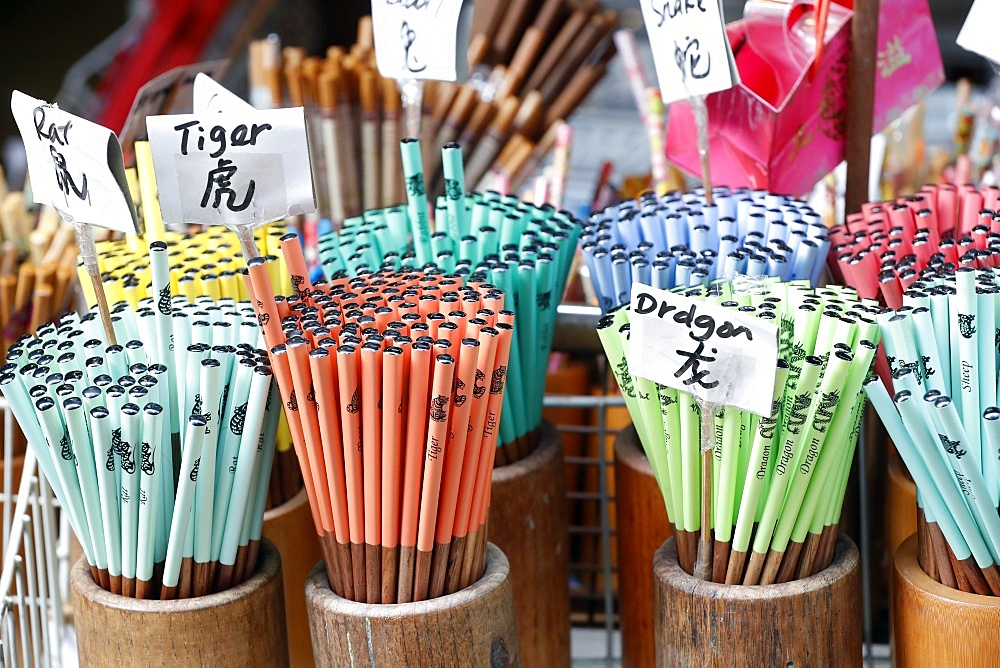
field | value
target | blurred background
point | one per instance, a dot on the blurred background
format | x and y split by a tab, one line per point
92	57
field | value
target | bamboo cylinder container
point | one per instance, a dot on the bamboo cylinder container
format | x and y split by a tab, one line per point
528	522
900	505
935	625
642	528
290	527
472	627
242	626
815	621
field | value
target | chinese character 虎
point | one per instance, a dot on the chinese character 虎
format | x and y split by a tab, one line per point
220	181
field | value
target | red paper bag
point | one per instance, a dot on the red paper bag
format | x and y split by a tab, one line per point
782	128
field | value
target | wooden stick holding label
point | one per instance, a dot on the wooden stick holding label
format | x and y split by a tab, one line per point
703	562
701	123
88	252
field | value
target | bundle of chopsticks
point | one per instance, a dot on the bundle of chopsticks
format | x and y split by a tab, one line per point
883	249
525	250
394	408
778	481
160	449
944	419
207	268
37	265
507	117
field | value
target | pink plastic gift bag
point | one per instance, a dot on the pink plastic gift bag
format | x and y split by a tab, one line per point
782	128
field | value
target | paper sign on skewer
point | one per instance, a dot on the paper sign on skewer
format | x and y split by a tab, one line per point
169	93
422	39
234	168
690	48
717	354
978	33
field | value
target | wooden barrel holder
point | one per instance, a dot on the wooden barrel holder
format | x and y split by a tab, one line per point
935	625
242	626
528	522
472	627
642	528
900	505
290	527
815	621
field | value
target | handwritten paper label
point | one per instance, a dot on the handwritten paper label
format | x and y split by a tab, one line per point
717	354
245	168
76	166
211	97
422	39
690	48
169	93
978	33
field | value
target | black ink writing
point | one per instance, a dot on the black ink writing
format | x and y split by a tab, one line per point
689	59
646	303
58	135
409	4
694	360
240	136
674	8
220	182
408	36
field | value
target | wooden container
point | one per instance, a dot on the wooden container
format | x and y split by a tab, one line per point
528	522
935	625
811	622
900	505
290	527
472	627
243	626
642	528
